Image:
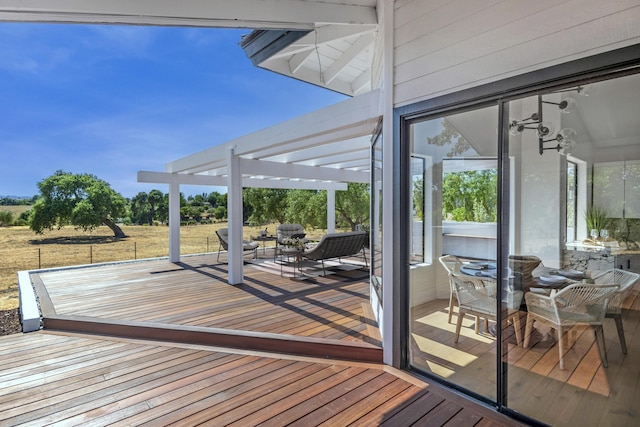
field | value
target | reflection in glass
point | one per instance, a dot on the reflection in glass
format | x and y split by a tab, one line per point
554	196
453	194
376	215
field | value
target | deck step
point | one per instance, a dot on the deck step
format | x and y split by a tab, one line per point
245	340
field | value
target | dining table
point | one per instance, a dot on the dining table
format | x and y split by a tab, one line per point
480	269
554	279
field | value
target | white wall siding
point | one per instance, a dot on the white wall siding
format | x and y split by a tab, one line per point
442	47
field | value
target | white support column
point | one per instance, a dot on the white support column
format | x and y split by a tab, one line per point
331	211
174	222
390	318
234	215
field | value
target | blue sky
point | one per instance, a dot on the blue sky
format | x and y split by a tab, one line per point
113	100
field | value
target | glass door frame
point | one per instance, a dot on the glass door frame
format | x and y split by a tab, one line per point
625	61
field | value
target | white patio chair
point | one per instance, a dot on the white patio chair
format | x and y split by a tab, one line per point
477	297
452	264
577	304
626	280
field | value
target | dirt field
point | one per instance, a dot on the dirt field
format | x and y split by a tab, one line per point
21	249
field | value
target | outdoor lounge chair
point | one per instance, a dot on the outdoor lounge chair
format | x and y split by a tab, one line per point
338	245
223	238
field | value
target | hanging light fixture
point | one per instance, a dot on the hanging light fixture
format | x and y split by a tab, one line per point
564	138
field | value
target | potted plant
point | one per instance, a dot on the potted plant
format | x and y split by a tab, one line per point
597	220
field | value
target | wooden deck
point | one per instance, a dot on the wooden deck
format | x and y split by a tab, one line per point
584	393
191	302
85	367
69	379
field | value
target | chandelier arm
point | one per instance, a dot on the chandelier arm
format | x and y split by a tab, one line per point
540	140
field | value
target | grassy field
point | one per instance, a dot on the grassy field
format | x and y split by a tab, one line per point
21	249
15	210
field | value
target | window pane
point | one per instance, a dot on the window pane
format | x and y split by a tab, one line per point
376	215
453	178
555	372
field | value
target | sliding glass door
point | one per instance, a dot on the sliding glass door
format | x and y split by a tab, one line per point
524	251
453	227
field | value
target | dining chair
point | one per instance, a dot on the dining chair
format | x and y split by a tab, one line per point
626	280
452	264
477	297
576	304
522	267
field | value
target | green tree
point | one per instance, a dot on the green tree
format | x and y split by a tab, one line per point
212	198
268	204
352	206
418	196
470	195
307	207
156	201
140	209
81	200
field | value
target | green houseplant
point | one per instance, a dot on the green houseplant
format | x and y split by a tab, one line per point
596	219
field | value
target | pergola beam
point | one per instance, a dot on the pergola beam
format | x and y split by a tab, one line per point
359	113
284	170
221	181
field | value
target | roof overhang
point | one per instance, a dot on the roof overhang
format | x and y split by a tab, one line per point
334	56
272	14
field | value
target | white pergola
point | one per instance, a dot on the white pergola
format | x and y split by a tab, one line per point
326	149
323	150
332	46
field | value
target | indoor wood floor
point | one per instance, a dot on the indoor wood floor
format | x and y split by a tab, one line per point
585	393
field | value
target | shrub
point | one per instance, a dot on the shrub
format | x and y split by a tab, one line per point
6	218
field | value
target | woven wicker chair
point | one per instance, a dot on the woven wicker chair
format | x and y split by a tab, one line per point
626	280
223	238
522	267
477	297
577	304
452	264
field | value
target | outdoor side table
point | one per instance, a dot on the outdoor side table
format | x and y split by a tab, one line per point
297	259
264	240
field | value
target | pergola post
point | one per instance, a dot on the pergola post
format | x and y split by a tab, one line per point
234	215
174	222
331	211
